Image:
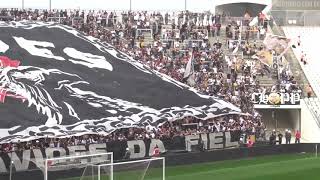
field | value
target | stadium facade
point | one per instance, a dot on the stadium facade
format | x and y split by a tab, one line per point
296	13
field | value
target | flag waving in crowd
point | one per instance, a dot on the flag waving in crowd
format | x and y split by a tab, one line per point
189	74
275	47
279	44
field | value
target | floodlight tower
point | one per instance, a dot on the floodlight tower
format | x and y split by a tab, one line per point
130	5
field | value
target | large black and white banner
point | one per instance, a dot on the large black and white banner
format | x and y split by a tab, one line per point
34	159
56	82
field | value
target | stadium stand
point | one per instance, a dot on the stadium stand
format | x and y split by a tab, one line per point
168	87
220	47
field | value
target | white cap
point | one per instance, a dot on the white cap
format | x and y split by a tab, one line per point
127	149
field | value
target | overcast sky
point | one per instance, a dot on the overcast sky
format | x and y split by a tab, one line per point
195	5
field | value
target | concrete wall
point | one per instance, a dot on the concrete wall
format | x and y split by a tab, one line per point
309	128
293	119
286	118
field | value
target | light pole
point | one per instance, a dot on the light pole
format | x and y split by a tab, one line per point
275	119
22	3
185	5
50	5
11	164
130	5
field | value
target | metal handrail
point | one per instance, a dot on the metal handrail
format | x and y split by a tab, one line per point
312	108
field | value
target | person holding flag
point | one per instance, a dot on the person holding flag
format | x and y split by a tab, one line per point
250	143
189	74
298	136
6	62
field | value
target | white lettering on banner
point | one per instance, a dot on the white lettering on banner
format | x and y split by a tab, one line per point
285	97
142	149
51	151
295	97
154	143
32	48
216	140
254	98
204	138
23	163
76	150
3	168
190	141
38	158
276	98
228	142
96	149
263	98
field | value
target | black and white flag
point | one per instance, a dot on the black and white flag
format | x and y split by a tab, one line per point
57	82
189	74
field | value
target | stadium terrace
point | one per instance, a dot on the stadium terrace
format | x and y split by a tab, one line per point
141	84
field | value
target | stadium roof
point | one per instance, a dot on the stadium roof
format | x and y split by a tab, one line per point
263	2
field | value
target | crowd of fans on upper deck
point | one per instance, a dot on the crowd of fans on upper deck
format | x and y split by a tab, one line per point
166	42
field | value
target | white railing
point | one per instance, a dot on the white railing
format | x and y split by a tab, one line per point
307	37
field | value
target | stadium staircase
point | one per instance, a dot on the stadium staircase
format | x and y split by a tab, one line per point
292	59
308	35
148	38
265	81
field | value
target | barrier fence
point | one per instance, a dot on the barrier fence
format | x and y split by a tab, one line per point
184	158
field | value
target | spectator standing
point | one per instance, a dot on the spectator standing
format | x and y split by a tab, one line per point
309	91
250	143
288	136
280	138
299	41
272	138
156	152
298	136
127	154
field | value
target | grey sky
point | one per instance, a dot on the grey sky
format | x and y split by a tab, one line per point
196	5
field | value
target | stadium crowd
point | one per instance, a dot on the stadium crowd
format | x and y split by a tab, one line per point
166	42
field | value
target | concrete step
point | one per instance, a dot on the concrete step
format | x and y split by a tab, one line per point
293	61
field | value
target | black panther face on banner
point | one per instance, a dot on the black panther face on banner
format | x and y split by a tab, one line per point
56	82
